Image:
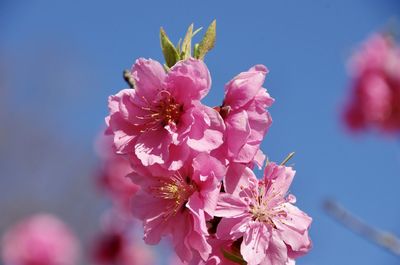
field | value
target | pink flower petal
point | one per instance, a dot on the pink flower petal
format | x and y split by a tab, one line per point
145	206
207	132
189	79
276	253
237	176
230	206
181	228
154	229
297	219
197	238
244	87
278	179
205	165
255	242
297	241
149	76
259	158
152	147
119	123
238	129
224	229
178	154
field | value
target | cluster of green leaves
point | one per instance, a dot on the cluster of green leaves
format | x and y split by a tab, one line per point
183	50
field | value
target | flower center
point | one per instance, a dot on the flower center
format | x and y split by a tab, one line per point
261	214
175	191
261	206
161	112
169	111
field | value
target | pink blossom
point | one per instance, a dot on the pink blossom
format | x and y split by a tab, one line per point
112	175
178	203
375	99
245	115
41	239
162	119
260	215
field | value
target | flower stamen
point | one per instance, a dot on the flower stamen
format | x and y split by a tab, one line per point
160	113
175	190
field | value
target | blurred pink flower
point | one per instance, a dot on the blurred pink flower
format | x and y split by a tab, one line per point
162	119
112	175
178	203
375	99
175	260
118	243
41	239
271	228
245	115
115	247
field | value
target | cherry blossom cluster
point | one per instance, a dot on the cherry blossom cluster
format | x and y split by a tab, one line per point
192	164
375	98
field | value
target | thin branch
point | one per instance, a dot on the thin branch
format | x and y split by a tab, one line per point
382	238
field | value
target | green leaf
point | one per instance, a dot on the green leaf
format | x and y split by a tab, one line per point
288	157
233	257
171	55
196	51
197	31
187	43
178	46
208	40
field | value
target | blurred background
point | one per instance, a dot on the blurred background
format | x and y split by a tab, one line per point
60	60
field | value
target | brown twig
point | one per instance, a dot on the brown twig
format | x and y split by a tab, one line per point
128	78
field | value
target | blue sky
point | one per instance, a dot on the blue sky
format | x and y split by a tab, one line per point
64	58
